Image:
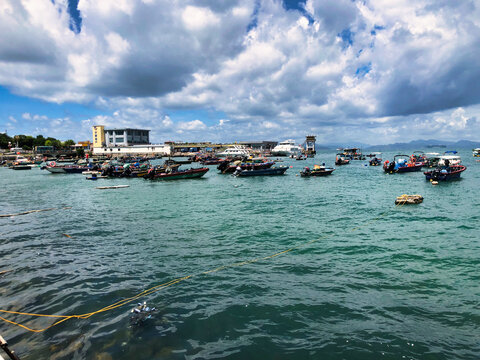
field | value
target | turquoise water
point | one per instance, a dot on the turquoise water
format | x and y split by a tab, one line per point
403	286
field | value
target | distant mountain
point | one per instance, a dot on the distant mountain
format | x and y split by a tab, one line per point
426	144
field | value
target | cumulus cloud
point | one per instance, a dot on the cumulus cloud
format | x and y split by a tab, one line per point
371	69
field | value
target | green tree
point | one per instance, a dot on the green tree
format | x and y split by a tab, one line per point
48	143
39	141
57	144
4	140
68	143
80	153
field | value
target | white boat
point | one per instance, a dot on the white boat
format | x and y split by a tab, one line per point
452	159
476	152
286	148
235	151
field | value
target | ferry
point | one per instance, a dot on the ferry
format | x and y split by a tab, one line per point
286	148
235	151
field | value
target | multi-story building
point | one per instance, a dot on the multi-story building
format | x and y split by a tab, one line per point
119	137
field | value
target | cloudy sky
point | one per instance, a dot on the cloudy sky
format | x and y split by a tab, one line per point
371	71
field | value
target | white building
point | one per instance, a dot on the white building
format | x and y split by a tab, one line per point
126	137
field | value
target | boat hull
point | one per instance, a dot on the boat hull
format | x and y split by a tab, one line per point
324	172
181	174
264	172
56	169
438	175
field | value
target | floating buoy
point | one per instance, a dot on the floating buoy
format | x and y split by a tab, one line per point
434	182
408	199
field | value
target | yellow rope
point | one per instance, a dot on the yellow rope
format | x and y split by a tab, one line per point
164	285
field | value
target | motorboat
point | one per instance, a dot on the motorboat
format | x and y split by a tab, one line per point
175	174
235	151
418	157
286	148
476	152
376	161
401	164
261	172
341	160
445	173
451	156
352	153
318	170
255	164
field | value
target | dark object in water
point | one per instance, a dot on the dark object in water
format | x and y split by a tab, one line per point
445	173
141	313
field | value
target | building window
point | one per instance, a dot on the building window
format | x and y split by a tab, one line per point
119	139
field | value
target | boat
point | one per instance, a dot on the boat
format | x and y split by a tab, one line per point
300	157
419	157
112	187
451	156
318	170
445	173
341	160
432	159
352	153
401	164
74	169
255	164
376	161
175	174
235	151
21	167
262	172
476	152
286	148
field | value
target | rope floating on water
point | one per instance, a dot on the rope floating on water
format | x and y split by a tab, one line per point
168	284
32	211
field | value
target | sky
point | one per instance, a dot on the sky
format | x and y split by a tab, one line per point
371	71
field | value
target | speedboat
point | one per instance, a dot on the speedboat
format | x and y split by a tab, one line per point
444	173
476	152
451	156
341	160
261	172
401	164
376	161
318	170
286	148
175	174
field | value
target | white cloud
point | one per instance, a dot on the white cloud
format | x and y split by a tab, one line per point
265	68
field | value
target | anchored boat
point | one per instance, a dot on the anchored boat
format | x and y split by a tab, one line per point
261	172
401	164
175	174
445	173
318	170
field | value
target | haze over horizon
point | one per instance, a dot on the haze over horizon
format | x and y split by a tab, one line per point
371	71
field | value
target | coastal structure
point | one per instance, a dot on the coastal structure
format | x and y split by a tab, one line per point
310	144
125	141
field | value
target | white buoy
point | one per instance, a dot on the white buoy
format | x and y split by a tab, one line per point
434	182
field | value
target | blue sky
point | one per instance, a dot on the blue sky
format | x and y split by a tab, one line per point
345	70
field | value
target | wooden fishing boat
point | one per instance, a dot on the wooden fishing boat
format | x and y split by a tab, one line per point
262	172
445	173
173	174
318	170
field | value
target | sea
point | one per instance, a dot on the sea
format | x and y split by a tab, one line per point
303	268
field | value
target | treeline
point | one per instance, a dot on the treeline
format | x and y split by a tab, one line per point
27	142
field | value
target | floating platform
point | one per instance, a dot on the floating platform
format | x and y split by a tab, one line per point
408	199
112	187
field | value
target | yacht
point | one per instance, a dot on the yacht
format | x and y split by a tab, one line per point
234	151
286	148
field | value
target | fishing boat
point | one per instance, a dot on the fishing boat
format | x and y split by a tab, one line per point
318	170
445	173
401	164
340	159
353	153
476	152
175	174
262	172
286	148
74	169
21	167
432	159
